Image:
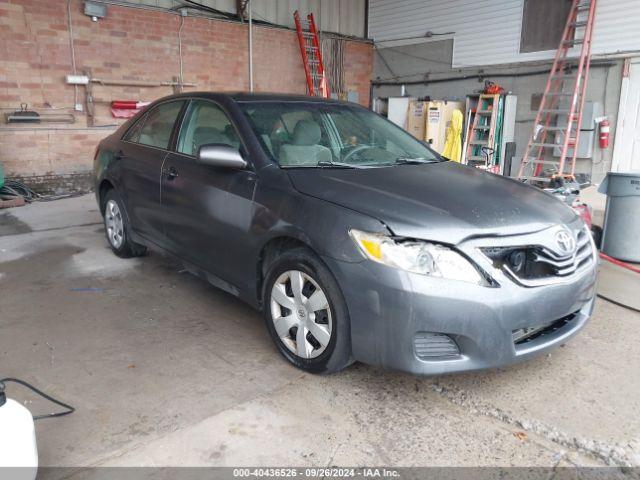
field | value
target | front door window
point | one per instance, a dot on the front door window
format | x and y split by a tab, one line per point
206	124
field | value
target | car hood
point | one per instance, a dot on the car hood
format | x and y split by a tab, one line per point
444	202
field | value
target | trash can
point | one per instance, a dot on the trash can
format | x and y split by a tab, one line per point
621	232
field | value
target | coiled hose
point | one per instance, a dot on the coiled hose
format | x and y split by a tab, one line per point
13	189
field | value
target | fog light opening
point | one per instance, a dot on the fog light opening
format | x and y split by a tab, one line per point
435	346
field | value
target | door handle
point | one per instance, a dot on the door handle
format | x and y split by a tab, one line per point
118	155
170	172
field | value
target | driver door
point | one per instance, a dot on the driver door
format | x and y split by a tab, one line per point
207	210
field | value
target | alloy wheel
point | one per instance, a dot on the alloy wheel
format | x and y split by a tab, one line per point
114	224
301	314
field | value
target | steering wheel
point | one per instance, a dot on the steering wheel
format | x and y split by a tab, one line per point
358	148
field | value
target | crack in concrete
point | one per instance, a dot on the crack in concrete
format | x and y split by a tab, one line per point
611	454
51	229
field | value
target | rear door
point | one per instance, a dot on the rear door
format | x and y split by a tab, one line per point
207	211
143	150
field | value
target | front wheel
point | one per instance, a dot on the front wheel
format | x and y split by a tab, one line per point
306	314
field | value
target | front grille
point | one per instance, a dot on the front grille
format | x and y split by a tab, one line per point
535	265
435	346
569	264
525	335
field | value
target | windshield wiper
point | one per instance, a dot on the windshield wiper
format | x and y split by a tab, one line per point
332	164
409	160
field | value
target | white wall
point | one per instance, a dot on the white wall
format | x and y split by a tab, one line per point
487	32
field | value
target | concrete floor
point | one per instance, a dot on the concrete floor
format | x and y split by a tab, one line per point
166	370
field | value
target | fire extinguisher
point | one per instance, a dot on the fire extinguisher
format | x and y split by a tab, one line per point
605	128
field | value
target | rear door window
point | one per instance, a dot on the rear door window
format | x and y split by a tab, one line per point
134	132
158	125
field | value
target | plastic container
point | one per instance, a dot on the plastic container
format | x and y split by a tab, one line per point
18	449
621	229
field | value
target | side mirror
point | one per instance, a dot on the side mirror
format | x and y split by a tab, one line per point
223	156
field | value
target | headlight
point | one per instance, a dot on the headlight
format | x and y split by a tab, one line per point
417	257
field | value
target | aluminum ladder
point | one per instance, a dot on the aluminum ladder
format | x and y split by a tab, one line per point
563	96
311	52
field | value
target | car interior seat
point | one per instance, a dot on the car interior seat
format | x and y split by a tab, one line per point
155	134
207	135
145	139
305	148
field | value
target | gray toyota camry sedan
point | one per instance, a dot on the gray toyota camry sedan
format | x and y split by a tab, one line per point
357	241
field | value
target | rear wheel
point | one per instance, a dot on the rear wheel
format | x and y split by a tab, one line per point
306	314
117	228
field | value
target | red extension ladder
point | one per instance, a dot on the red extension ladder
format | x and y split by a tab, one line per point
563	98
317	84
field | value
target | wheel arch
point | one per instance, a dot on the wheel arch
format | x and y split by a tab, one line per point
341	354
104	188
271	249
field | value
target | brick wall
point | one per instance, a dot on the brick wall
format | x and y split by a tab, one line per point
130	44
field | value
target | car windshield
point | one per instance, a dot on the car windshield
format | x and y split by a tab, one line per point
315	134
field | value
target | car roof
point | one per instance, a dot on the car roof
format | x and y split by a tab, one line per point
277	97
257	97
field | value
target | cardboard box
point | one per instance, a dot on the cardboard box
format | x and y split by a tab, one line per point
397	109
416	119
435	125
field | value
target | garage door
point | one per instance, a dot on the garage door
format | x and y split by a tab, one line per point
626	152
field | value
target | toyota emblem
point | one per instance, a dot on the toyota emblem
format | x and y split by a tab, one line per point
566	242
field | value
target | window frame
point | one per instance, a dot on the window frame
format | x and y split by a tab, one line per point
526	45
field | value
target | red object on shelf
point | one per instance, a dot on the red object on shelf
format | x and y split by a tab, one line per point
124	104
126	108
492	88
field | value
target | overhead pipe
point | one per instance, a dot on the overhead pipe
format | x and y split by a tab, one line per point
139	83
479	76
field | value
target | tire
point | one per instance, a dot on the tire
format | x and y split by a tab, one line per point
117	228
596	232
331	350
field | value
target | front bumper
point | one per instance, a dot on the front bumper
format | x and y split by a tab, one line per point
389	307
